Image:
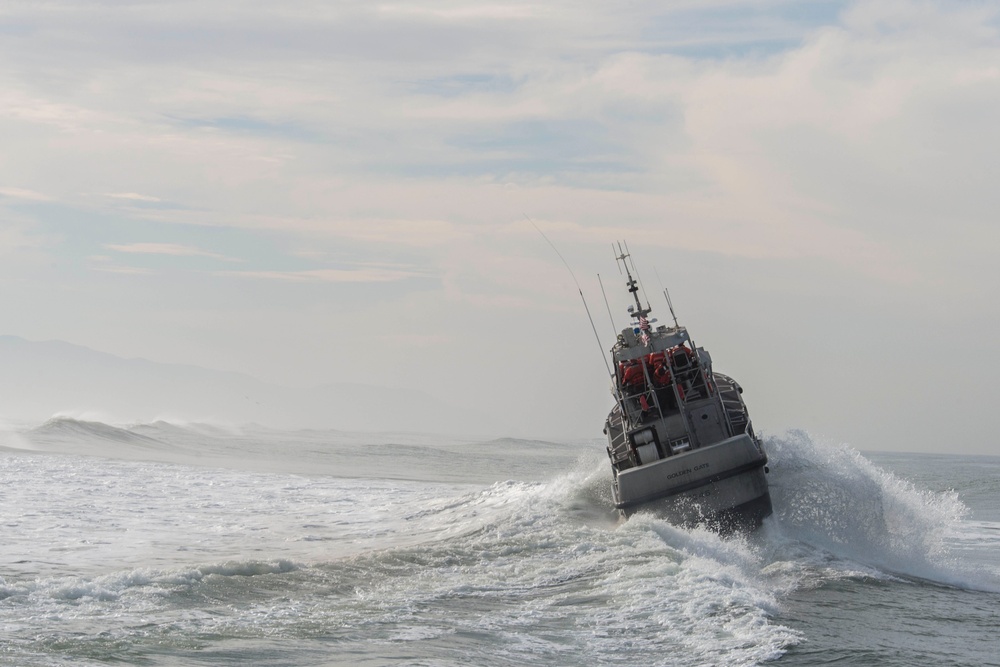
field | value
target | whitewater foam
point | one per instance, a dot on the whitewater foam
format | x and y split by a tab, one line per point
836	500
133	556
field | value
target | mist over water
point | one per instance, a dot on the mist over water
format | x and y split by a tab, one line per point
169	544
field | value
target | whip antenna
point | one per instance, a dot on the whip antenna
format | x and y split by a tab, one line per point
578	288
670	305
666	294
606	303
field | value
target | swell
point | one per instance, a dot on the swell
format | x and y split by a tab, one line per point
532	570
59	428
362	455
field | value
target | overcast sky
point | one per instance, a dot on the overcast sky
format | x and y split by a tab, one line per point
315	192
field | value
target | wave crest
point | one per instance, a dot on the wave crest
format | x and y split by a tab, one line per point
832	497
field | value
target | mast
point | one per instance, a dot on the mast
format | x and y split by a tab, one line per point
638	312
633	286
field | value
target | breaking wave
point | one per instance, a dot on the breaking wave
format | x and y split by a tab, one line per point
328	452
69	428
833	499
479	564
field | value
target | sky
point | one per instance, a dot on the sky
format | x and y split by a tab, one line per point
324	192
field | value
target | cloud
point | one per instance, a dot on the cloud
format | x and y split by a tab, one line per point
761	148
106	264
124	270
15	238
766	152
362	275
134	197
20	193
174	249
450	12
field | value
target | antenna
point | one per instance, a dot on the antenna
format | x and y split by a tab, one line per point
606	303
666	294
638	312
579	289
637	277
670	305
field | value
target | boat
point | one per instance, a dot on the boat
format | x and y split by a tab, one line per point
680	438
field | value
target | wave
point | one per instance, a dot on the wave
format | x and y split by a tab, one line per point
558	548
250	447
528	445
828	499
834	499
538	570
67	427
112	586
164	430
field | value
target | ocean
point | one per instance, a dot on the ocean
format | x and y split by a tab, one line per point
191	544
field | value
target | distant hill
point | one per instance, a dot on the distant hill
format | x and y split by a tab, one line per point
40	379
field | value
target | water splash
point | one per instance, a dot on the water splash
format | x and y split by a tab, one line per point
833	498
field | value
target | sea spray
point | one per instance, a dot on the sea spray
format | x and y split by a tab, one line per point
832	497
512	553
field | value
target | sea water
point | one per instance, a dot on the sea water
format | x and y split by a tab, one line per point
166	544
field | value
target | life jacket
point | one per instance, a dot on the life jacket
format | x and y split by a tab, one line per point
681	355
631	373
659	368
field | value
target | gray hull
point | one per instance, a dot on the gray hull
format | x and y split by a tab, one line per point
721	485
679	435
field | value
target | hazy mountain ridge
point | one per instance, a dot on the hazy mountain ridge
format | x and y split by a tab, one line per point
42	379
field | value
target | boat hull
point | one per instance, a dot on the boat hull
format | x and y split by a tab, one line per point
721	485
